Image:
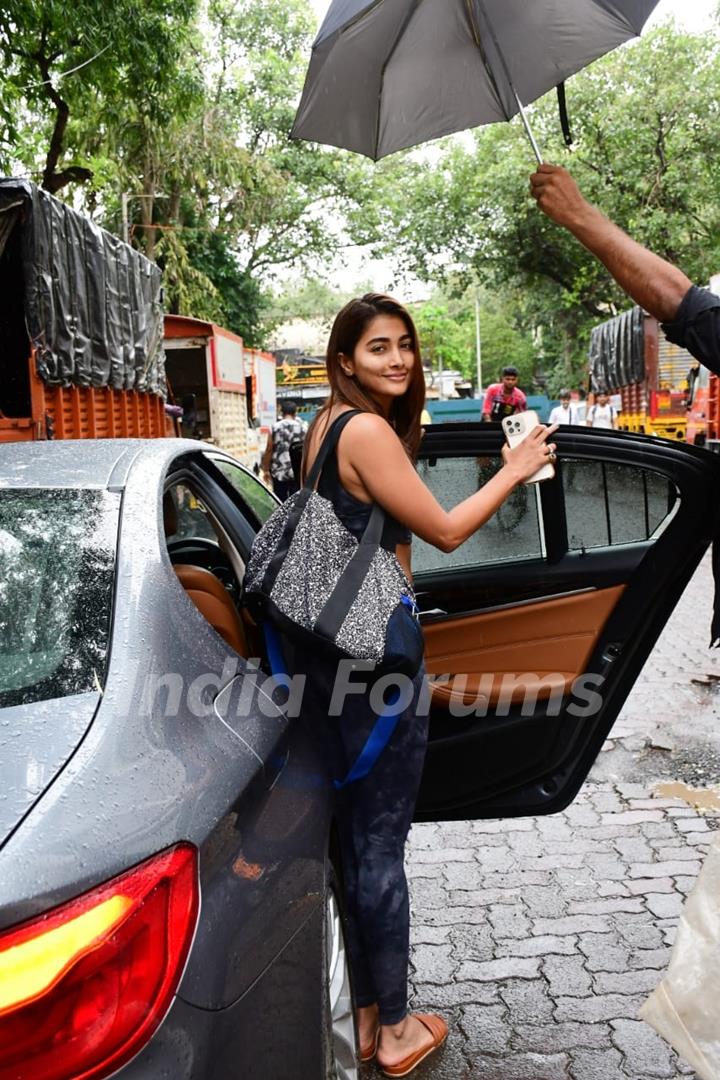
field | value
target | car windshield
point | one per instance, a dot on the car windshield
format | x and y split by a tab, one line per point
57	557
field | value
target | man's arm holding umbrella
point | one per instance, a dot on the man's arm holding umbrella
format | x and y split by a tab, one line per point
690	316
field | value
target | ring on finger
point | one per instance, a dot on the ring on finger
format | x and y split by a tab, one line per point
552	456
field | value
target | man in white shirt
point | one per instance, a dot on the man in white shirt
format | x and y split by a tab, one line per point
602	413
564	413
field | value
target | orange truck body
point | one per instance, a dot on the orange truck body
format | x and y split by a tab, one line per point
80	327
630	356
227	390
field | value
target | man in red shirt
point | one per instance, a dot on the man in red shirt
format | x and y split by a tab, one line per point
504	398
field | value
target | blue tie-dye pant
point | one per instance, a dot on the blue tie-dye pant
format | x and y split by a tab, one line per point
374	816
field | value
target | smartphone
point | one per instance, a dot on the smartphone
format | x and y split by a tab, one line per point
516	428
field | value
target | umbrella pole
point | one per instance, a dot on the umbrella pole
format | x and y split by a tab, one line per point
528	129
506	69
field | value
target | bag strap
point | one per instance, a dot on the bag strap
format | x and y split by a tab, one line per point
328	444
382	729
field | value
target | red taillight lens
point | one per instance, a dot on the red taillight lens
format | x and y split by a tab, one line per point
83	987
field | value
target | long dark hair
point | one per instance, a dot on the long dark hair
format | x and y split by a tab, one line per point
349	326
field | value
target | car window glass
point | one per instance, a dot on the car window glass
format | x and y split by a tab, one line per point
191	518
512	533
254	493
57	559
608	504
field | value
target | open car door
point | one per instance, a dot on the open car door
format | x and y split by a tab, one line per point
538	626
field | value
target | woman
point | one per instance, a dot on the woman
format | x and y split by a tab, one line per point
373	364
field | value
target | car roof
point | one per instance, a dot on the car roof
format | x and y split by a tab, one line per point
84	463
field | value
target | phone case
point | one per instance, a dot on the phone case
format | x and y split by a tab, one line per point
516	428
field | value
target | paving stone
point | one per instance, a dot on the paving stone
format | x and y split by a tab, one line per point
632	791
670	934
573	924
597	1065
473	942
685	853
435	963
539	900
556	1038
567	976
427	893
589	1010
509	921
444	855
495	858
653	829
420	934
644	1052
612	888
577	884
543	945
606	906
427	996
639	931
504	825
699	840
665	906
685	885
653	885
447	915
487	1030
431	871
604	952
521	1067
631	817
634	848
527	1002
607	867
607	801
695	824
471	875
649	958
517	880
507	967
626	982
663	869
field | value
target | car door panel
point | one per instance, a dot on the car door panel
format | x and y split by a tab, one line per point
566	621
552	639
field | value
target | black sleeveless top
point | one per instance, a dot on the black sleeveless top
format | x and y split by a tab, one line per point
353	512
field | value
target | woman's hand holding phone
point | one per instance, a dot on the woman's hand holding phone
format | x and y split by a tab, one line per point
528	454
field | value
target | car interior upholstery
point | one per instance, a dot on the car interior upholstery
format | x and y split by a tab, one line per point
205	589
519	641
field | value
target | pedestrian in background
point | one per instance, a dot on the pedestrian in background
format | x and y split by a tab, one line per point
504	398
602	414
690	316
565	412
277	464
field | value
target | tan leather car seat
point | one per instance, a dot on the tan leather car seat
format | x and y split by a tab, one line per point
213	601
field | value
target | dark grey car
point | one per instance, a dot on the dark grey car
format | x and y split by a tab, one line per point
122	747
167	858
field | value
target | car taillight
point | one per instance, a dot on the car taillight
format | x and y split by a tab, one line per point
84	986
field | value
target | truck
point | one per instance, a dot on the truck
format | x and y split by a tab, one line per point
630	355
80	326
703	420
227	391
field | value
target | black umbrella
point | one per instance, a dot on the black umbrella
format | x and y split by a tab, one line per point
388	74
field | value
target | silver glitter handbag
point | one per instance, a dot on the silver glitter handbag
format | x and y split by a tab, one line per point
319	585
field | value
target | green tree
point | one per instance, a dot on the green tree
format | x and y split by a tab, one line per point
62	61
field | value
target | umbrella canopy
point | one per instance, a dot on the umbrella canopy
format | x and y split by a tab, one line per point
388	74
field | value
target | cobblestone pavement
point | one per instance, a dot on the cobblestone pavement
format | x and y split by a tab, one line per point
539	938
